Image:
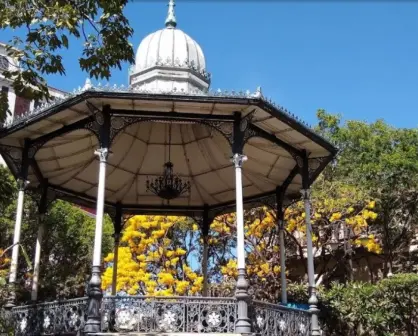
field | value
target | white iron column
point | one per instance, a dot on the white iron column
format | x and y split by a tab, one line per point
16	242
42	208
243	324
115	263
36	267
95	291
97	252
313	300
282	262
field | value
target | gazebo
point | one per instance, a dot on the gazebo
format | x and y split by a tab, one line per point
165	144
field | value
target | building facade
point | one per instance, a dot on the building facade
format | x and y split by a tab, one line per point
17	105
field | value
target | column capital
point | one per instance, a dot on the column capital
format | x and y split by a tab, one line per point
102	153
238	160
306	193
22	184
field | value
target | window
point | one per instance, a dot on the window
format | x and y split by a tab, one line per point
22	105
4	63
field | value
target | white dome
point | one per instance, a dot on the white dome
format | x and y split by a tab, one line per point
169	59
168	46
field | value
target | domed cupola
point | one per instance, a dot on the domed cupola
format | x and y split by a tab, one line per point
170	60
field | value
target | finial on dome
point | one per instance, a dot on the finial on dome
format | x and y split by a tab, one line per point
171	22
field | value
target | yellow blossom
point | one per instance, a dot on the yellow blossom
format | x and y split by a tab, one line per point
371	204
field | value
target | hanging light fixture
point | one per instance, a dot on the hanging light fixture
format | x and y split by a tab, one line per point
168	186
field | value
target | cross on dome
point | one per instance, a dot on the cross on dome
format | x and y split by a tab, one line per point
171	22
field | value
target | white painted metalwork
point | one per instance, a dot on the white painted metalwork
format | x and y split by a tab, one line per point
16	235
238	160
97	252
309	247
36	264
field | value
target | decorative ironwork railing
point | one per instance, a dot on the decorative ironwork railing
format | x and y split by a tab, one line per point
159	314
59	317
277	320
169	314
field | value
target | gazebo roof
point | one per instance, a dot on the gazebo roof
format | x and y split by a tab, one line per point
61	137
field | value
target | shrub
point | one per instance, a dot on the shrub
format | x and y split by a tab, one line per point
387	308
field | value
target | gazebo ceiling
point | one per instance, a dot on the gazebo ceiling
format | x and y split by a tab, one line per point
61	140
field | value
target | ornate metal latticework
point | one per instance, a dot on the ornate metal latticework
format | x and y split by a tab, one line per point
158	315
141	90
276	320
169	314
64	317
168	186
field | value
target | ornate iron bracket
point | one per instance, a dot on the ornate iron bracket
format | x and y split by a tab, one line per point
14	155
100	126
316	163
119	123
19	158
242	131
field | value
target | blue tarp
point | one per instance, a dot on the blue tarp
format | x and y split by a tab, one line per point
303	306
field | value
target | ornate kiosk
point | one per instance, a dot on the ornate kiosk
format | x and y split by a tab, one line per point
165	144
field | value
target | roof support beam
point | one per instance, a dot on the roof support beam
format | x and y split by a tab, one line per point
270	137
289	178
40	141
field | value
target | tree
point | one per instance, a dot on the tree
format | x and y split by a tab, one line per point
383	160
154	258
262	236
339	212
50	26
7	187
66	249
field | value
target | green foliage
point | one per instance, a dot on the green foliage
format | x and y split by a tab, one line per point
382	161
389	308
4	106
297	292
372	153
50	27
7	187
66	249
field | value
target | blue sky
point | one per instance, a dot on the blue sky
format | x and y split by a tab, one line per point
355	58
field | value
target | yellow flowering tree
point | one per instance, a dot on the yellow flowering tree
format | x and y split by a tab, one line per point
156	252
339	213
154	257
333	206
262	246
